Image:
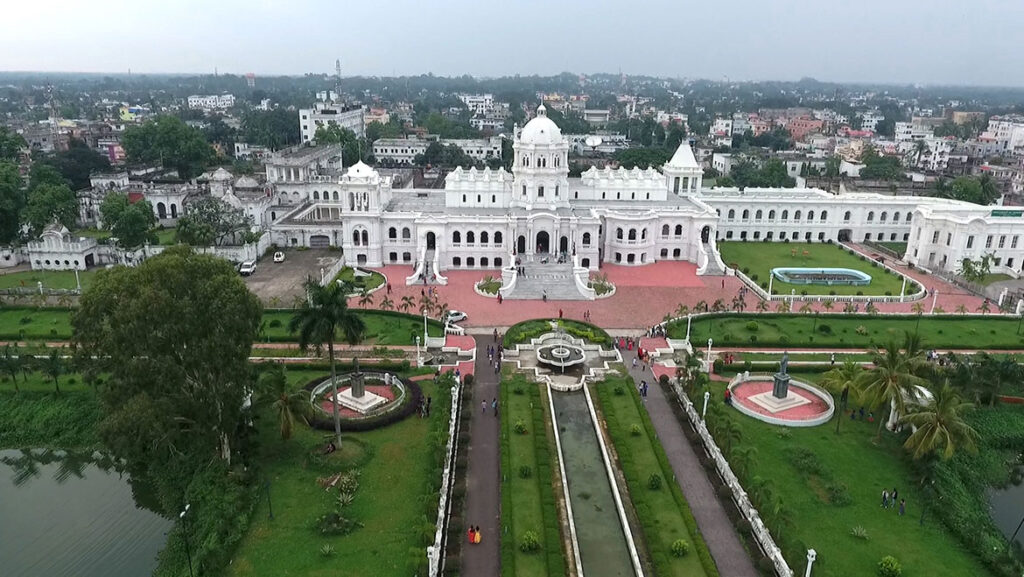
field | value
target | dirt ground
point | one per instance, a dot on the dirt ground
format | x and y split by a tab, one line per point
277	284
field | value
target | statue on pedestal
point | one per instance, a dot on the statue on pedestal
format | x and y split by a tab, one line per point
780	390
356	379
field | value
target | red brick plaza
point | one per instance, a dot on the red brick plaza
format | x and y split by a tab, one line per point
644	295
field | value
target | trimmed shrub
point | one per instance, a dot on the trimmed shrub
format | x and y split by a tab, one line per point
752	326
525	472
718	364
519	427
889	567
654	482
636	431
530	542
680	548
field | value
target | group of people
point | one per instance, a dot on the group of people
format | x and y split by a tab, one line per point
642	389
656	331
889	501
870	416
473	534
425	407
494	406
625	343
494	354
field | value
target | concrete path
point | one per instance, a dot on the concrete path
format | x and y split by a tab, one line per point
718	531
483	494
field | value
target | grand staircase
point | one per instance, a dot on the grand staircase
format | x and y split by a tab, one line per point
713	268
551	278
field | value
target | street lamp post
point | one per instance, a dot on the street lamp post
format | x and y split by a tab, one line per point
419	360
78	281
709	354
270	504
811	556
689	319
184	528
704	411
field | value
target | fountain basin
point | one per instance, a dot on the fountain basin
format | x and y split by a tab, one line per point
822	276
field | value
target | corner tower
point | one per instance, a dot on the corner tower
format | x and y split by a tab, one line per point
540	164
682	174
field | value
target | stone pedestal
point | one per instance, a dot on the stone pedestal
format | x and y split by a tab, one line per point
361	404
358	385
772	404
781	388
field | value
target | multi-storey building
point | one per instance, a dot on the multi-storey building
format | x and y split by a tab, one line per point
329	113
211	101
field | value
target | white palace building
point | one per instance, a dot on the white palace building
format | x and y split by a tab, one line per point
560	228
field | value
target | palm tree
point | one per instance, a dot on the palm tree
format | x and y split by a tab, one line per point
682	310
938	425
718	306
12	364
890	381
426	304
828	305
920	147
286	403
917	309
984	308
806	308
961	308
407	303
701	307
938	310
782	307
743	460
839	379
53	366
274	302
870	308
997	372
762	306
365	298
730	434
849	308
387	304
318	321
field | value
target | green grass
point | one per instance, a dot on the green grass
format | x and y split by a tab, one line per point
57	279
92	233
852	459
397	492
994	277
803	357
489	285
528	504
383	328
761	257
369	283
166	236
804	330
899	248
663	513
38	417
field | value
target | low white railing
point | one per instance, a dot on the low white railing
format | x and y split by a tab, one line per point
435	552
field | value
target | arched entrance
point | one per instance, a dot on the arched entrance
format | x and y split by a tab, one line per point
563	244
161	210
543	242
705	234
431	241
521	244
319	241
845	234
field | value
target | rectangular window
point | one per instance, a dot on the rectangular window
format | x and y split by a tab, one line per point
970	241
988	241
949	238
1009	262
540	192
1002	241
935	237
998	260
1013	242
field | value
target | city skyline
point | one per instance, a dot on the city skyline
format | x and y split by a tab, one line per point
943	44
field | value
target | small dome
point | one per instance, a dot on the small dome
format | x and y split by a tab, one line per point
361	170
541	130
221	175
246	182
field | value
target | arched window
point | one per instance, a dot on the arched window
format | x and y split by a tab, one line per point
679	230
456	261
643	234
355	237
896	217
618	233
883	217
497	237
335	195
586	239
316	195
483	237
785	215
810	215
406	233
470	261
366	238
732	213
824	215
846	216
746	214
456	237
484	262
797	215
871	216
470	237
497	262
758	214
771	215
392	233
664	230
393	256
632	234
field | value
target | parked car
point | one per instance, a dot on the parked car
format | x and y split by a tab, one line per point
456	317
278	256
248	267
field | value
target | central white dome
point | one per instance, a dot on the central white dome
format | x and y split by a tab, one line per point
541	130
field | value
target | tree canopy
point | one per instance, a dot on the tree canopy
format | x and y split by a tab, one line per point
277	128
50	200
12	201
438	154
644	157
77	162
771	174
210	221
131	223
979	190
353	147
11	144
879	167
168	141
174	336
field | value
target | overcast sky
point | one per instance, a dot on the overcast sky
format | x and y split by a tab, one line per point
903	41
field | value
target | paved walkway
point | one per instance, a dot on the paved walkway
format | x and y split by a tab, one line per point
713	523
483	487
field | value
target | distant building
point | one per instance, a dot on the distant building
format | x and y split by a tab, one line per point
211	102
870	120
722	126
244	150
597	116
376	115
478	103
906	131
610	143
722	162
58	249
960	117
328	113
800	127
1008	131
405	150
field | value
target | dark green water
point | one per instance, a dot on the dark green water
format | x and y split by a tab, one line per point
602	543
63	515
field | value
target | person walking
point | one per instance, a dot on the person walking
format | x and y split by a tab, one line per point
885	499
494	405
483	406
903	507
893	496
832	359
634	362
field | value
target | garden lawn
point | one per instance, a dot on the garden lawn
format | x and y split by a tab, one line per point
369	283
55	279
166	236
39	418
392	501
853	331
526	330
759	258
853	460
30	323
384	328
994	277
663	513
528	504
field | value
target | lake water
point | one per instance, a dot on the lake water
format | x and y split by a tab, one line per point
64	515
1008	509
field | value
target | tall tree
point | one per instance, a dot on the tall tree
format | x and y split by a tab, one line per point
78	162
54	367
11	144
131	223
174	335
289	405
322	315
12	202
939	427
277	128
210	221
842	380
891	381
49	203
354	148
168	141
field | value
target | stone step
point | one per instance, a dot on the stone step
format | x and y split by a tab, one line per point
553	279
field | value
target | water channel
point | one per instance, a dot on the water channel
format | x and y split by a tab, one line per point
1008	509
603	549
63	514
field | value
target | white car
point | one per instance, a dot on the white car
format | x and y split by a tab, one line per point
278	256
456	317
248	267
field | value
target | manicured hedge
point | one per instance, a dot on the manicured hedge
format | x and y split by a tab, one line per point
522	332
409	405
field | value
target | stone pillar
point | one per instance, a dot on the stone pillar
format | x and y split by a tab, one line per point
356	380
